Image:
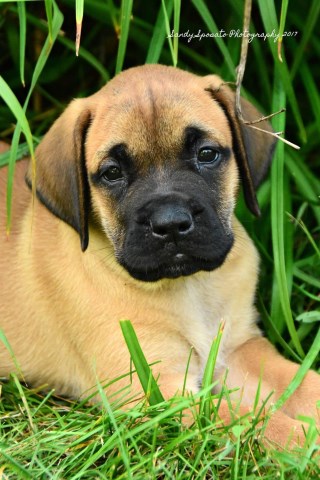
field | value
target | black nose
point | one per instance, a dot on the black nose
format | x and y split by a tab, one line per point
171	221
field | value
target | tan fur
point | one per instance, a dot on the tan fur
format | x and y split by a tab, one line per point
60	308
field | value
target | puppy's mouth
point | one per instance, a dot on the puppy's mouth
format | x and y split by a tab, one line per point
171	236
174	266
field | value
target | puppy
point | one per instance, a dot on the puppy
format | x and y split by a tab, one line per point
146	174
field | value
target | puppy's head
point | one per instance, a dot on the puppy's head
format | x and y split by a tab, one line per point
154	159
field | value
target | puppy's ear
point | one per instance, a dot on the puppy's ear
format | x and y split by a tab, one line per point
61	176
253	149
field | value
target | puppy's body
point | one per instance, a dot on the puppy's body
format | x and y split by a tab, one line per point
146	172
66	305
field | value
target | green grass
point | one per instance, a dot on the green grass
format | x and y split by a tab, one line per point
45	437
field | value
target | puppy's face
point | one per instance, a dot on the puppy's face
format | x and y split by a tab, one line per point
162	175
155	163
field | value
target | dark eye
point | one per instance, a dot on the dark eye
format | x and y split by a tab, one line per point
112	173
208	155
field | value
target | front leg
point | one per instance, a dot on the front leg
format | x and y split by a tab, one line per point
257	361
281	430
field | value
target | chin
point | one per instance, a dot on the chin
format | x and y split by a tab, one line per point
172	270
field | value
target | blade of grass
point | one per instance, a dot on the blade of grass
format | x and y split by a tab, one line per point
304	228
258	54
308	28
43	57
167	24
23	151
126	11
79	19
305	277
270	326
306	182
48	4
16	466
22	39
12	102
206	16
24	401
288	230
269	18
176	26
104	12
207	379
144	372
277	217
158	36
299	376
309	317
123	450
83	53
283	16
113	12
4	340
312	90
314	298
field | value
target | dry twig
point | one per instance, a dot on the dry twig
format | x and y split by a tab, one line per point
240	75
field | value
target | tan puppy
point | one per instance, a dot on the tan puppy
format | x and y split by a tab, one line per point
146	172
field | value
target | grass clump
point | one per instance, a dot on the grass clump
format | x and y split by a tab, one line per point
47	437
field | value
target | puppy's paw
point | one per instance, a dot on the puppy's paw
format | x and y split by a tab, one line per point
305	400
284	432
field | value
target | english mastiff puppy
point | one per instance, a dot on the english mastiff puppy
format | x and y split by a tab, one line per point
146	174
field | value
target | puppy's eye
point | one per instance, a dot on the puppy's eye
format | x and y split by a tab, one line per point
112	173
208	155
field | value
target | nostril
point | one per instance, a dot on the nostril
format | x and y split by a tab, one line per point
162	231
185	226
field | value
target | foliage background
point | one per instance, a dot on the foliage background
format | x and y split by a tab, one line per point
287	234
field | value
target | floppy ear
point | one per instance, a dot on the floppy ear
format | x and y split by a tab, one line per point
253	149
61	177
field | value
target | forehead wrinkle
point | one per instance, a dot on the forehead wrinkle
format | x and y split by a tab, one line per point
155	134
152	122
208	132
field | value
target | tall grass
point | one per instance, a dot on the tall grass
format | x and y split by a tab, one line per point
45	437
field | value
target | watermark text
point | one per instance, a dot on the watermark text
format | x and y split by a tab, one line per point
200	35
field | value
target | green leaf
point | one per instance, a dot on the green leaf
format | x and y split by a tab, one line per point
207	379
79	19
167	25
83	53
176	24
283	16
23	32
269	18
206	16
48	4
308	28
159	34
306	182
305	277
309	317
11	100
277	216
148	383
15	466
43	57
126	11
302	371
5	342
